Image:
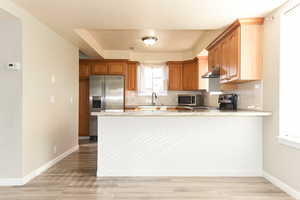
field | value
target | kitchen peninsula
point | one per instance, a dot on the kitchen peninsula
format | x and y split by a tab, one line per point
180	143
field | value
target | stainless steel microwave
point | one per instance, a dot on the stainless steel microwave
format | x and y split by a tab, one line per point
190	100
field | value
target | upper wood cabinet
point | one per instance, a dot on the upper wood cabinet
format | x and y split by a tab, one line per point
190	75
116	68
108	67
186	75
131	76
238	51
99	68
84	69
175	75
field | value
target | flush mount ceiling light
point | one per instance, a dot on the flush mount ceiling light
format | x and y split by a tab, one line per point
149	40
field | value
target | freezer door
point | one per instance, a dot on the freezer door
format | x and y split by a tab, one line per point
96	100
114	92
97	86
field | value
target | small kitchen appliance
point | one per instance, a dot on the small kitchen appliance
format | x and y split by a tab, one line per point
194	100
228	101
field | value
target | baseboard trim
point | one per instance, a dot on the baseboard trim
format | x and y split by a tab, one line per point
283	186
35	173
6	182
229	173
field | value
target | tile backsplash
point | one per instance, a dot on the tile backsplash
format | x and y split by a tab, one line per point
132	98
250	97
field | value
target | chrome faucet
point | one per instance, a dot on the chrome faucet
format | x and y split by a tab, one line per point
154	99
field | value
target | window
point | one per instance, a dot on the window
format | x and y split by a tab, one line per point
152	78
289	77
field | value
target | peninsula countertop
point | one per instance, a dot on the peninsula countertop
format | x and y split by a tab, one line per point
210	112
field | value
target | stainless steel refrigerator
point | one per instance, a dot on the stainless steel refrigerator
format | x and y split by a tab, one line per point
106	93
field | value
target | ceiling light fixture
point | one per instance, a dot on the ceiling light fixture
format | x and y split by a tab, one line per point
149	40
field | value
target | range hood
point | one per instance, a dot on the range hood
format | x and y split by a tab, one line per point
215	73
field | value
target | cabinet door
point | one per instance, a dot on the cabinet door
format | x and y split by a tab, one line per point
175	76
222	62
131	76
116	68
211	59
190	76
203	67
84	70
84	107
99	68
234	55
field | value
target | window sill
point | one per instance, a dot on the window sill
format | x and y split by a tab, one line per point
290	141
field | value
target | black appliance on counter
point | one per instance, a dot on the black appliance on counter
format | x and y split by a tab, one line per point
228	101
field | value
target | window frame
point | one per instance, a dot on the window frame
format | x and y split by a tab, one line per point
283	137
164	78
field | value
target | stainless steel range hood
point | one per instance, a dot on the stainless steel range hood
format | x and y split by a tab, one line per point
215	73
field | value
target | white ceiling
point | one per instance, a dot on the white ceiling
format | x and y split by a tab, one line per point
168	40
64	16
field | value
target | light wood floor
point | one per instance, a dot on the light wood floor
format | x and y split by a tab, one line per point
74	179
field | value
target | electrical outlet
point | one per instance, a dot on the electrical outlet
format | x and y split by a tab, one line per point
53	79
54	149
251	107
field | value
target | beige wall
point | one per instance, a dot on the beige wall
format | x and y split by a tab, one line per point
11	98
281	161
46	125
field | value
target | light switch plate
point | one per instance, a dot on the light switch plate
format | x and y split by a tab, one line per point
14	66
52	99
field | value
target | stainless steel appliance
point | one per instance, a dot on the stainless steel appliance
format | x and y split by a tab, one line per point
106	93
228	101
214	73
190	100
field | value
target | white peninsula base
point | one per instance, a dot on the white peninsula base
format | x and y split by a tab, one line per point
179	146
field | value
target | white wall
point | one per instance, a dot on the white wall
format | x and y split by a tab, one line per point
45	124
11	98
280	161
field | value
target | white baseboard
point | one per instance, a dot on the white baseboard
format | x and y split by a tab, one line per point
283	186
35	173
10	182
151	173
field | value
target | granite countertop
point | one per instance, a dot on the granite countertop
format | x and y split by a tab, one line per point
210	112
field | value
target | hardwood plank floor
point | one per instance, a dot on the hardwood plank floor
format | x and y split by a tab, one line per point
74	178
